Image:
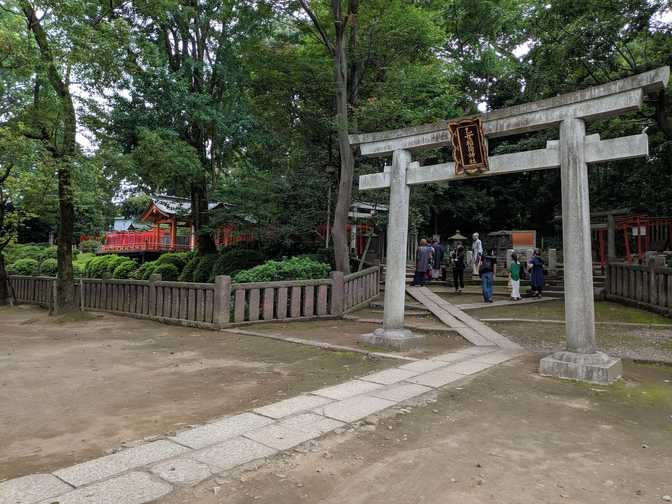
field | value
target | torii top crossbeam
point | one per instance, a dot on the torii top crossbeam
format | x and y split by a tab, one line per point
612	98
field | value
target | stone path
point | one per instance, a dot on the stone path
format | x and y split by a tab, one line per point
508	302
554	321
468	327
152	470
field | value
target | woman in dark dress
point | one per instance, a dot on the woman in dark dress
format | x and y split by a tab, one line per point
459	265
536	267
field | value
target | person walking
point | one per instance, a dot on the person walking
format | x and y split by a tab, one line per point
476	253
423	263
536	267
459	265
437	259
487	271
514	277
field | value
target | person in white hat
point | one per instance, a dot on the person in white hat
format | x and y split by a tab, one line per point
476	253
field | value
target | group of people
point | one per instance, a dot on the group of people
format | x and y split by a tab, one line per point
430	266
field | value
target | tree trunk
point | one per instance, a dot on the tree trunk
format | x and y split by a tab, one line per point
344	198
65	289
200	218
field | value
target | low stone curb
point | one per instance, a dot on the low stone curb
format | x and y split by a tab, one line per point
552	321
149	471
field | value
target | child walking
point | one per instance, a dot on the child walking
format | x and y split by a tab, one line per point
514	277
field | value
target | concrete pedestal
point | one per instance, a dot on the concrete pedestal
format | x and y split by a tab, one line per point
596	367
399	339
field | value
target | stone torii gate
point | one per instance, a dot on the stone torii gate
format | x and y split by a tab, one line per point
571	153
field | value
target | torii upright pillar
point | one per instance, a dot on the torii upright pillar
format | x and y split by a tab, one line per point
581	360
393	334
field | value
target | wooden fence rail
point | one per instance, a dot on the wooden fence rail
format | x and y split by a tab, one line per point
646	286
218	304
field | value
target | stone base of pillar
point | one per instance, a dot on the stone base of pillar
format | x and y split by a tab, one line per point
398	339
593	368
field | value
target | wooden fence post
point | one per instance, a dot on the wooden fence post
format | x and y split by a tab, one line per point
152	293
653	284
337	292
81	294
222	301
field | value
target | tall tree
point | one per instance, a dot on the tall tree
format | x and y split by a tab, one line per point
344	15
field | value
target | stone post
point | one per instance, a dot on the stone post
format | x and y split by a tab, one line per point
222	301
392	333
653	281
552	260
337	293
152	293
581	361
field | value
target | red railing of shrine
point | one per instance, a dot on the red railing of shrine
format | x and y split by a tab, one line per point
150	241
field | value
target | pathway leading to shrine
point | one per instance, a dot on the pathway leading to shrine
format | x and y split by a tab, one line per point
152	470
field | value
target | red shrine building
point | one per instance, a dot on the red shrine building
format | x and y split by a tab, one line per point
165	226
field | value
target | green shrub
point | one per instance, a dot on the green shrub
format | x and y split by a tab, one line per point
176	259
23	267
232	261
187	274
17	251
167	271
112	262
77	270
139	273
49	267
149	270
204	268
296	268
89	246
125	269
104	266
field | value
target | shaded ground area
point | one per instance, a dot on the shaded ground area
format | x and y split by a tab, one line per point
345	332
70	390
637	342
508	436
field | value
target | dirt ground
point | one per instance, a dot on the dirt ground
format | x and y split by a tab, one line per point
636	342
345	332
508	436
72	390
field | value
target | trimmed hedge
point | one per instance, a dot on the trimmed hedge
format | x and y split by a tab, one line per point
204	268
296	268
23	267
177	259
187	274
230	262
125	270
167	271
49	267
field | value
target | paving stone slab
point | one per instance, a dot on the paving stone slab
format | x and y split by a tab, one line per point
497	357
354	408
478	350
131	488
347	389
182	471
451	357
31	489
279	437
437	378
469	367
311	423
232	452
401	392
292	406
104	467
422	366
215	432
389	376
